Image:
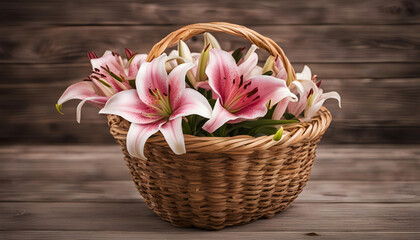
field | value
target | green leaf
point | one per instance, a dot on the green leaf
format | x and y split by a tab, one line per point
237	54
288	116
113	75
261	122
262	130
132	83
268	73
278	135
58	107
212	102
185	127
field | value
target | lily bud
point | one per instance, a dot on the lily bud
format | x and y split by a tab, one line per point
210	39
269	64
129	53
279	134
310	100
250	51
184	51
186	56
202	63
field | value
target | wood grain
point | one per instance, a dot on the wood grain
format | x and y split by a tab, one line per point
308	217
302	43
248	12
125	191
73	72
105	163
135	235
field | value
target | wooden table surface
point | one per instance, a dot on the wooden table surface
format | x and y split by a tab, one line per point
85	192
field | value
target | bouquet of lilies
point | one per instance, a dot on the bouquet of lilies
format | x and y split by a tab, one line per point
212	93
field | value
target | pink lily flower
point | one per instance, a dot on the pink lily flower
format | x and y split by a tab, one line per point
158	104
110	74
239	95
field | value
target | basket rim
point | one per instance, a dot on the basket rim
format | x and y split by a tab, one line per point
293	133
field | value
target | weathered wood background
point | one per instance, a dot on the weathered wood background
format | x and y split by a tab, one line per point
369	51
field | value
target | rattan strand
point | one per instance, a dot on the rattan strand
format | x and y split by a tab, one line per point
223	181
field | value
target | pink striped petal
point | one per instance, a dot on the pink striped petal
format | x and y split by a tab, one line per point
108	59
172	131
113	63
296	108
281	71
135	64
152	75
80	90
221	71
219	117
203	84
280	109
192	102
137	136
247	66
177	82
128	105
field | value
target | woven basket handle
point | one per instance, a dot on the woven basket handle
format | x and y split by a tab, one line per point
189	31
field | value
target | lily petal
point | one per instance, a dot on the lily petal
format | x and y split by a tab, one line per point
247	66
128	105
80	90
280	109
97	101
135	64
305	74
312	110
177	82
137	136
152	75
221	71
192	102
280	70
203	84
219	117
113	63
333	95
172	131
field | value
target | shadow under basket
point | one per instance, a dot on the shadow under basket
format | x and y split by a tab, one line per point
223	181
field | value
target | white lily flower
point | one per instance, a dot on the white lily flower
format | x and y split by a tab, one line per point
311	97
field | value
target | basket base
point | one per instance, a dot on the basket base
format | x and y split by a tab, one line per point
172	195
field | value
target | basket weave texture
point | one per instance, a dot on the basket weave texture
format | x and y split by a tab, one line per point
223	181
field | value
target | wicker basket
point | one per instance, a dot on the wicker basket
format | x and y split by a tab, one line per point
223	181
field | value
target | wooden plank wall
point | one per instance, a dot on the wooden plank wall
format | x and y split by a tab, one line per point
368	50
